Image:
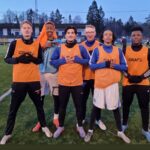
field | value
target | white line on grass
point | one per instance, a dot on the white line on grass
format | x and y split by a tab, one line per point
5	95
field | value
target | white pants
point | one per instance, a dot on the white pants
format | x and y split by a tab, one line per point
107	97
49	83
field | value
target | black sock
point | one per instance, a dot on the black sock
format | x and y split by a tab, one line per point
118	119
56	104
42	99
94	113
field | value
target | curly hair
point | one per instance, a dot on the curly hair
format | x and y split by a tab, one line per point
102	34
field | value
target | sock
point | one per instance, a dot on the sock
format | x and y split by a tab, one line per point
56	116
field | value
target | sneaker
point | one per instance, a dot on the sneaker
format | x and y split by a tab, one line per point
58	132
124	127
47	132
37	127
101	125
88	136
146	134
56	122
123	137
5	139
81	131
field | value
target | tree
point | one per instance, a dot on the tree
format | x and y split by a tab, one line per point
52	16
129	25
70	19
148	19
17	19
30	15
77	19
115	25
146	28
102	15
58	17
95	17
22	16
10	16
119	28
43	18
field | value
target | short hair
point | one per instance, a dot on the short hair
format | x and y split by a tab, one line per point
90	26
113	34
25	22
137	28
71	27
51	23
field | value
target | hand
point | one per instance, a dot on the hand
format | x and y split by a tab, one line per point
108	64
112	65
30	57
69	59
77	59
134	79
23	59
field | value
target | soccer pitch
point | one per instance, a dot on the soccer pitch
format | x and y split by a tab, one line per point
27	118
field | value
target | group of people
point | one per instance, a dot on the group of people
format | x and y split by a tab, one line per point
43	65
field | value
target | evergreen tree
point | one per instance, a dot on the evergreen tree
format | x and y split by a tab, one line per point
129	25
58	17
70	19
95	17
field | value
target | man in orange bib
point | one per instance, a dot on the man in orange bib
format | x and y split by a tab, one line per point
25	54
136	80
70	58
108	62
88	75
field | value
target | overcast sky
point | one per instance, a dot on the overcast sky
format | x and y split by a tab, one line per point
139	9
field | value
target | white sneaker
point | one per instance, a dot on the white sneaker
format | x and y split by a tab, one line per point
123	137
5	139
47	132
88	136
101	125
146	134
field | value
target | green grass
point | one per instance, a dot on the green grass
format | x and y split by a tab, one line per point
5	71
26	119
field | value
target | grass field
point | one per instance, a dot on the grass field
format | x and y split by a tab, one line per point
26	119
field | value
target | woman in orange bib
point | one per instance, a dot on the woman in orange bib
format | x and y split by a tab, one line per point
108	61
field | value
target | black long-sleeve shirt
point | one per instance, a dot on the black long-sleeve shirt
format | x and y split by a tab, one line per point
10	52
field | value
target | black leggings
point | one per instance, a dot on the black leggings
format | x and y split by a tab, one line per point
87	87
96	111
142	93
64	94
19	92
56	103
